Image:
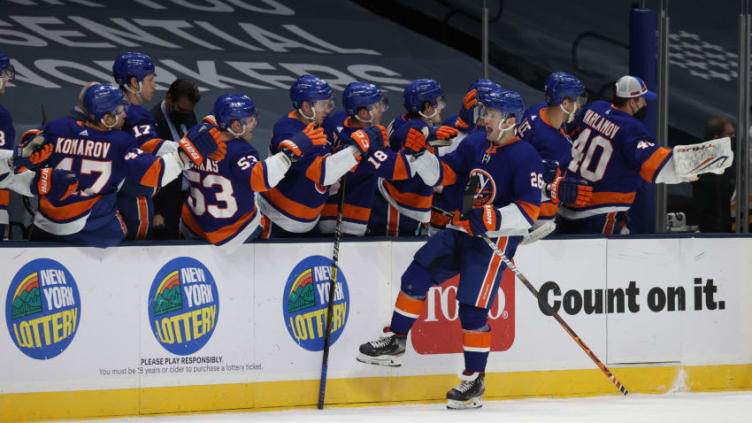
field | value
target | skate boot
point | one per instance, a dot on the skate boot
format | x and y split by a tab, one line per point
468	393
387	350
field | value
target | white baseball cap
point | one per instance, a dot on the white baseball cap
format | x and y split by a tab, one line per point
631	86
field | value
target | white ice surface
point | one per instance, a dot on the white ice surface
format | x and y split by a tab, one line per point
721	407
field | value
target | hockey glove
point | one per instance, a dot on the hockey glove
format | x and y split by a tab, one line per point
465	117
415	141
479	221
441	136
203	141
570	191
303	143
57	185
32	152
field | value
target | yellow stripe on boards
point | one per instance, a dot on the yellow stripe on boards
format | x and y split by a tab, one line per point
264	396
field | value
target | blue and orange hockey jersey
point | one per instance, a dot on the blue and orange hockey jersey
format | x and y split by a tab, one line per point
361	182
410	197
101	162
509	174
295	204
615	153
550	142
221	207
7	137
135	201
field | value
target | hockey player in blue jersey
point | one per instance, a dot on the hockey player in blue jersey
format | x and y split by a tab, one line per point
134	73
364	105
294	205
543	127
471	131
403	207
615	153
505	205
7	136
102	157
221	206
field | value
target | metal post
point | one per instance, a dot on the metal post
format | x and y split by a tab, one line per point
743	122
662	102
485	40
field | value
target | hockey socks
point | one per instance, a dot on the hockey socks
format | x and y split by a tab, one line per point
476	346
406	311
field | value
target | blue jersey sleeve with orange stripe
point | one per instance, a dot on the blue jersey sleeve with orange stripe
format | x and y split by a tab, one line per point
140	124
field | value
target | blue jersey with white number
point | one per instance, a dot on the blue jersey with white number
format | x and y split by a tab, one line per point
615	153
221	203
101	160
550	142
361	182
509	174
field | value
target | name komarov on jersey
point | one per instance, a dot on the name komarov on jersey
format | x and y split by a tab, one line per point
82	147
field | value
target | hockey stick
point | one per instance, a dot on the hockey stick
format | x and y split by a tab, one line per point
332	288
467	205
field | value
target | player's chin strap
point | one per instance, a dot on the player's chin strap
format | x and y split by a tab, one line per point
312	118
501	130
370	113
570	115
236	134
137	93
110	127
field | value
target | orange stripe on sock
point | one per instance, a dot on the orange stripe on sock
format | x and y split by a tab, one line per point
408	304
608	228
475	339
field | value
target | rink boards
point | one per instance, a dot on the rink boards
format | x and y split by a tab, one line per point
188	328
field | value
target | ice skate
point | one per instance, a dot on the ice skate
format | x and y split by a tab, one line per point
468	393
387	350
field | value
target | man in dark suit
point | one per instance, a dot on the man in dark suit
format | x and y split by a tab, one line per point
174	116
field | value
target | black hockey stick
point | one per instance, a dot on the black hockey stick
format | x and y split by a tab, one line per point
467	205
332	287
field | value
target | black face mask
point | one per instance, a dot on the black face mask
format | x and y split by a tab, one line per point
640	114
178	117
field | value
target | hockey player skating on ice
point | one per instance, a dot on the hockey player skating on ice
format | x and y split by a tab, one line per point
505	206
615	153
221	205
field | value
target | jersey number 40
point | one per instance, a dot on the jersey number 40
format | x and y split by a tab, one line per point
591	156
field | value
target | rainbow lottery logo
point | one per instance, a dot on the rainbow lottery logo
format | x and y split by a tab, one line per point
305	301
183	306
42	309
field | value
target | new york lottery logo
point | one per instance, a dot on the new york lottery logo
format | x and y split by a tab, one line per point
305	302
42	309
183	306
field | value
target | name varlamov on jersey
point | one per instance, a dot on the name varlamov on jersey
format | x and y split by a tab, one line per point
82	147
208	165
601	124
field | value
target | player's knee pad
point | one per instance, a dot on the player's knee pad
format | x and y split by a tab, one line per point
474	318
416	281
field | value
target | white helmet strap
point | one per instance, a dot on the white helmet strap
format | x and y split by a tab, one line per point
137	93
570	115
313	115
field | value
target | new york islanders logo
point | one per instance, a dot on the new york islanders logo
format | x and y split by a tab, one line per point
486	191
42	309
305	301
183	306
